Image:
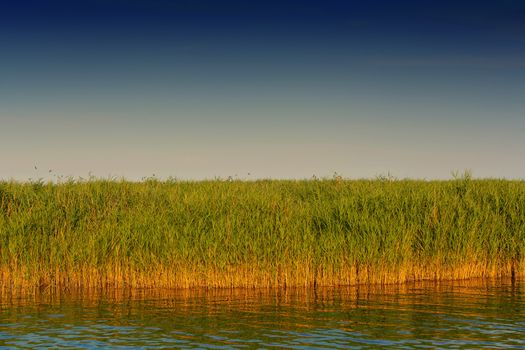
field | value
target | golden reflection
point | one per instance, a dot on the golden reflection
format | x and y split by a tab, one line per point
413	293
419	310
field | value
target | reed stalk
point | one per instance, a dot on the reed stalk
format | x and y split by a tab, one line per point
268	233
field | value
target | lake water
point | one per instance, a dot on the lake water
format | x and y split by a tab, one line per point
473	314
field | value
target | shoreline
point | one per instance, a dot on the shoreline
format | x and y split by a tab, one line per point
248	279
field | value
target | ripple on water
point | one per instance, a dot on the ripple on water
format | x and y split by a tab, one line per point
480	314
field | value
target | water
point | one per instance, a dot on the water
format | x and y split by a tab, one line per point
475	314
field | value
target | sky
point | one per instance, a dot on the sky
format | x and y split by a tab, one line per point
208	89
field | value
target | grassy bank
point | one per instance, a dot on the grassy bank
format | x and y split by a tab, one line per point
264	233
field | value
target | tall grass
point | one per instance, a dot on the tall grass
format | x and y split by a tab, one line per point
263	233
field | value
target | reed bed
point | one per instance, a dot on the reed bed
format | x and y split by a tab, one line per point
268	233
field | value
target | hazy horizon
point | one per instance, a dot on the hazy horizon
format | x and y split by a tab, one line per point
276	89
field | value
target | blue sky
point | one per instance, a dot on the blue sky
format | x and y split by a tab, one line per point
276	89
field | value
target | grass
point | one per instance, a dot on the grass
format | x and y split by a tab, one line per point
266	233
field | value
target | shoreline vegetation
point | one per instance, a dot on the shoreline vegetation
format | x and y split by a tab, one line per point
266	233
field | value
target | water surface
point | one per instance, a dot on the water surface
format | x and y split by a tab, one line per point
472	314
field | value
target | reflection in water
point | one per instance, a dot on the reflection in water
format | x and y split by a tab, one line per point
476	314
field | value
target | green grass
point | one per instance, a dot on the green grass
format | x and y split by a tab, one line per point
262	233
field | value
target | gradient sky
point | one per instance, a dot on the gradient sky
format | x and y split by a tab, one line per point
277	89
